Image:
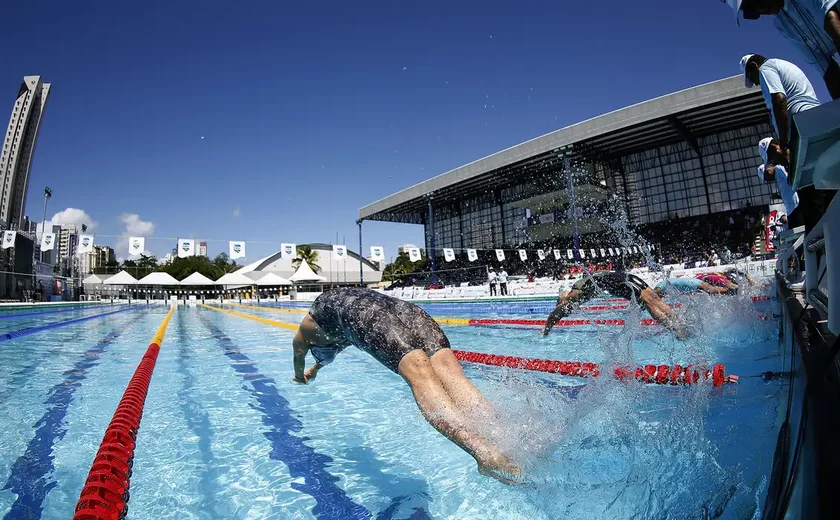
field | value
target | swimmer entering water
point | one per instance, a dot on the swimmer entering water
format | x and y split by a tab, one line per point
620	284
404	338
689	285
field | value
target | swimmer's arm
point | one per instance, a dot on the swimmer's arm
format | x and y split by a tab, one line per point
300	348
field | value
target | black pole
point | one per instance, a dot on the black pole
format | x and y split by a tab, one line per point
361	258
431	251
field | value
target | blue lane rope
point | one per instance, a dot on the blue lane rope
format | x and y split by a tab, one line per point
25	314
33	330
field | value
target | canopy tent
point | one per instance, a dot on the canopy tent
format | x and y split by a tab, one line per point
197	279
158	279
234	279
271	279
92	280
121	278
305	273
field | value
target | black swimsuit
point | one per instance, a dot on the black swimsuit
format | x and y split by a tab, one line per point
384	327
617	283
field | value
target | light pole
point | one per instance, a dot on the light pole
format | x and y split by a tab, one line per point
47	196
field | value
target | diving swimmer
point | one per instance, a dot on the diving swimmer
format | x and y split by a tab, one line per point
620	284
404	338
688	285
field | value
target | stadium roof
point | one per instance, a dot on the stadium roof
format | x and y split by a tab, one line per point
684	115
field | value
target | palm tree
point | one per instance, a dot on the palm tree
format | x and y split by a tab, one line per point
311	257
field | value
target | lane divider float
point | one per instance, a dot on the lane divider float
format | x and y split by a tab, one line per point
6	316
253	318
33	330
653	374
266	308
484	322
106	491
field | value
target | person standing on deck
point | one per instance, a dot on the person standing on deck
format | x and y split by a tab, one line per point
503	277
493	278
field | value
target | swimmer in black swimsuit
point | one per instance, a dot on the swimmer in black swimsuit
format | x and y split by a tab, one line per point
617	283
404	338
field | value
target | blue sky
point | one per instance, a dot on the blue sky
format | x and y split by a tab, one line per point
308	112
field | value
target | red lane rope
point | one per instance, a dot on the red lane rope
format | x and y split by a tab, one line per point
562	323
653	374
106	490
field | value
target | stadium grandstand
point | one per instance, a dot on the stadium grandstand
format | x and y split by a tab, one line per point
678	170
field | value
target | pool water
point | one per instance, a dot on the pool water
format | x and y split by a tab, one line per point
226	434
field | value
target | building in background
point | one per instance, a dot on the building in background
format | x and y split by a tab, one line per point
18	148
686	155
202	249
51	256
404	248
67	238
101	256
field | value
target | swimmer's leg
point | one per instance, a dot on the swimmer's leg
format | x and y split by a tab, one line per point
713	289
565	305
662	312
463	393
440	411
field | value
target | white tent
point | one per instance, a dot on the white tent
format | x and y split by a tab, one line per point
158	279
121	278
305	273
92	280
238	279
197	279
271	279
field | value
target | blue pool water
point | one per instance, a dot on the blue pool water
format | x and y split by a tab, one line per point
226	434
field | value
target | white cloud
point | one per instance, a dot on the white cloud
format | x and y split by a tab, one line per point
236	212
71	216
134	227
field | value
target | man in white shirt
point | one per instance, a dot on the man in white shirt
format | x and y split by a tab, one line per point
493	278
811	26
786	92
503	276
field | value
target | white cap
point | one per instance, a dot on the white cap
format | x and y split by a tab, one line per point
744	60
736	6
760	173
762	148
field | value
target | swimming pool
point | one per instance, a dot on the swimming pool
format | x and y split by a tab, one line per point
226	434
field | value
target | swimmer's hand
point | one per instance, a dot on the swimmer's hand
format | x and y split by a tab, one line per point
300	381
310	374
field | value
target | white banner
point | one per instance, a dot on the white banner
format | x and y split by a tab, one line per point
414	254
635	249
523	255
377	253
603	253
472	254
85	244
288	251
237	249
540	254
593	253
582	254
557	254
570	254
610	251
448	254
340	253
47	241
500	255
9	239
136	245
186	247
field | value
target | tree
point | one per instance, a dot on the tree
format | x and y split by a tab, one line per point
401	266
311	257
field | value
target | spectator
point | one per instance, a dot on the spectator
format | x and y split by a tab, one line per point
713	260
811	26
503	277
493	278
786	91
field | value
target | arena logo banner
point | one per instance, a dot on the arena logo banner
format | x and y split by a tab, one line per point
85	244
541	254
9	239
570	254
47	241
582	253
136	245
603	253
472	255
414	254
340	253
774	212
377	253
448	254
236	249
593	254
523	255
557	254
500	255
186	247
610	250
288	251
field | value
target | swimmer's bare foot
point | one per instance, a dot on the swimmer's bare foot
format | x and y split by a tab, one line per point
310	374
501	468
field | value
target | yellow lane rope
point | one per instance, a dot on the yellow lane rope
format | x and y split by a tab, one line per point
254	318
453	321
275	309
158	338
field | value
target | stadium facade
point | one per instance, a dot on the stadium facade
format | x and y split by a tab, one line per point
685	154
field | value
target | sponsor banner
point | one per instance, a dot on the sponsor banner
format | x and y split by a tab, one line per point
136	245
775	211
593	254
47	241
288	251
237	249
448	254
540	254
472	255
570	254
523	255
186	247
557	254
9	239
377	253
340	253
500	255
85	244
